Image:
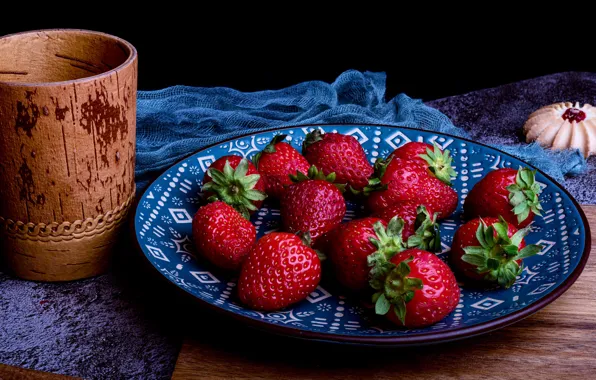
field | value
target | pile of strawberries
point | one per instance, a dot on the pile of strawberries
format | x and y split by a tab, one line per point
389	256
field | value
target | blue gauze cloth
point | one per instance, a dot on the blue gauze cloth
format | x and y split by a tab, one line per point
174	122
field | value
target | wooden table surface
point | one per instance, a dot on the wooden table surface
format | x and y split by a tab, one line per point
557	342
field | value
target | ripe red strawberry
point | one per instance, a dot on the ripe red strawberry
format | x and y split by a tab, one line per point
276	162
411	151
313	204
414	289
339	154
490	249
222	235
235	181
279	271
409	180
438	161
355	241
512	194
325	240
421	229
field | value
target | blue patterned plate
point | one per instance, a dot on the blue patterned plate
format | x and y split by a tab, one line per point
163	224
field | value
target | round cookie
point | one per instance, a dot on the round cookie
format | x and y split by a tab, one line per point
564	126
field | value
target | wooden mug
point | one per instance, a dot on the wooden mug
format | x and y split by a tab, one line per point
67	150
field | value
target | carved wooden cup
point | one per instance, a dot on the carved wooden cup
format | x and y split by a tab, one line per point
67	150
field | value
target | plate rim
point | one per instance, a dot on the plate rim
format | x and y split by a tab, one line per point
392	341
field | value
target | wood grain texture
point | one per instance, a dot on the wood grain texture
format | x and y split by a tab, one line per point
14	373
557	342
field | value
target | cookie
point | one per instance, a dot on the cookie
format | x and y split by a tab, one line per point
562	126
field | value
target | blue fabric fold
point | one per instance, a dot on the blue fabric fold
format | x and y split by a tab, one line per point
177	121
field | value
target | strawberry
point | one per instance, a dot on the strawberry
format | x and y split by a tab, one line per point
313	204
354	241
222	235
414	289
276	162
235	181
490	249
409	180
411	151
438	161
339	154
512	194
279	271
421	230
324	241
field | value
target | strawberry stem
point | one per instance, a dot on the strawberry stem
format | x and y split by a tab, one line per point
388	242
439	163
314	173
428	232
374	183
305	238
311	138
395	287
523	194
234	187
497	257
307	241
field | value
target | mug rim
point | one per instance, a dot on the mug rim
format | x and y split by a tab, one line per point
132	57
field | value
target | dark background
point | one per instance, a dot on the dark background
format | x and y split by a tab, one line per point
425	58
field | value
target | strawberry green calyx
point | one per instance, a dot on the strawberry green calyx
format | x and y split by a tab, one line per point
388	242
523	194
374	183
311	138
497	257
305	237
307	241
439	163
380	167
314	173
395	288
428	232
234	187
270	148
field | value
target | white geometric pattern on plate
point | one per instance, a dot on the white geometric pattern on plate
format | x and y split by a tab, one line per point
487	303
180	215
205	277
